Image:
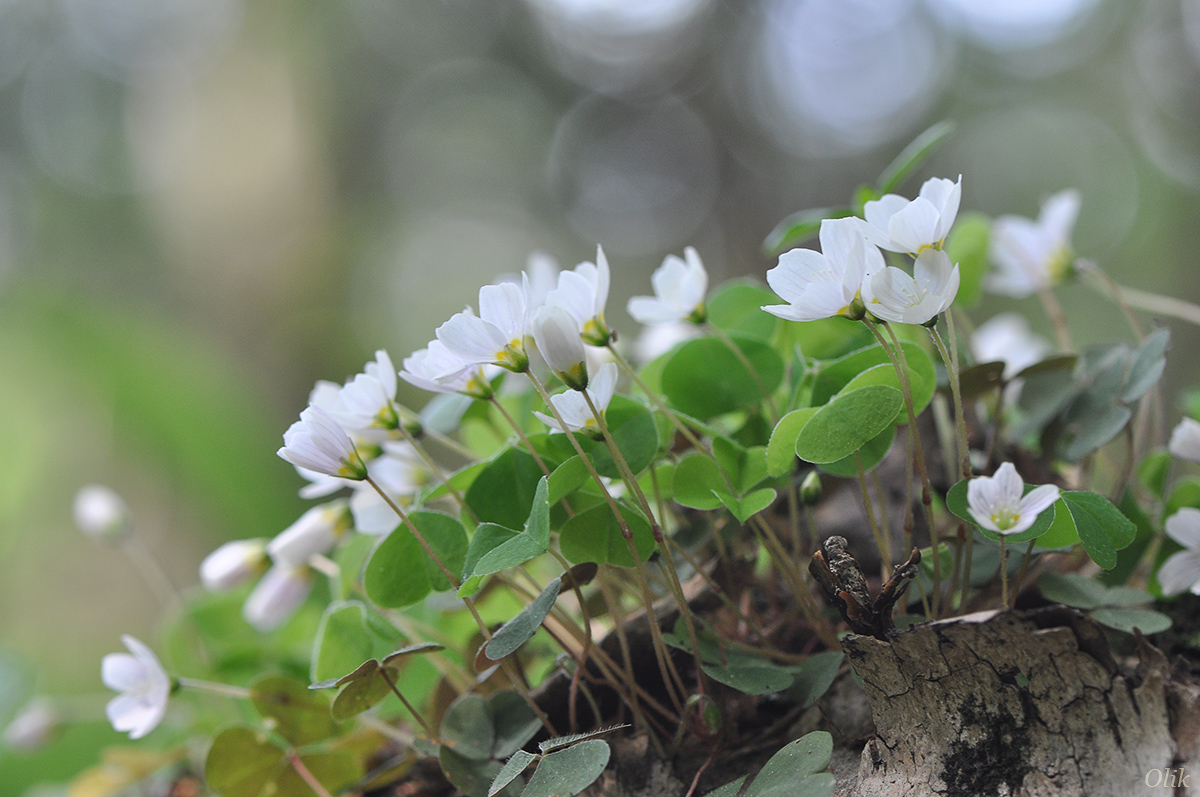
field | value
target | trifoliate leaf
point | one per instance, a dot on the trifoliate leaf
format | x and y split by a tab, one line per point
570	771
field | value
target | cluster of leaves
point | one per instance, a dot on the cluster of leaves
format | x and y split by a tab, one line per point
525	523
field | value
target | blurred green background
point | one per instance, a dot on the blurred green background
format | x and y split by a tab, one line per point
204	207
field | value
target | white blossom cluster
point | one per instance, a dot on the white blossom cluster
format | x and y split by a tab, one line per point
849	278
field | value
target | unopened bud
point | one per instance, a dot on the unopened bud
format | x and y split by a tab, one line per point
810	488
33	727
316	532
277	597
101	514
234	563
558	340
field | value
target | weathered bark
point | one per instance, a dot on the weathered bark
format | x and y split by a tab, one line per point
1020	703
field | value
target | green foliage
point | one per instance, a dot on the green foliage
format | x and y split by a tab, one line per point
754	675
1077	410
400	572
570	771
698	482
703	378
495	548
849	420
476	731
1102	528
835	376
913	155
795	771
342	640
1110	606
633	429
299	714
596	536
735	307
502	492
870	455
518	630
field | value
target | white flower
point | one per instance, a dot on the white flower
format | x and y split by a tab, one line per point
314	533
1181	571
658	339
496	335
1007	338
996	502
35	725
679	290
824	284
583	292
233	563
100	513
899	225
1185	440
369	399
144	686
277	597
574	408
316	442
1029	255
892	295
400	472
558	341
541	276
427	369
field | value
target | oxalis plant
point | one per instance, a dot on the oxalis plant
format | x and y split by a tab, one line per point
576	546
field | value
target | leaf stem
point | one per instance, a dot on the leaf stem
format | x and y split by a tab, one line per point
667	560
307	776
516	427
429	731
660	649
900	363
517	682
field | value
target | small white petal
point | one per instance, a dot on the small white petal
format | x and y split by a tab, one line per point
557	336
1185	440
1184	527
315	533
1180	572
232	564
505	306
121	671
1007	338
277	597
1038	500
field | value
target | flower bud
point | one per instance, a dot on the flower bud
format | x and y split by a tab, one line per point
277	597
33	727
101	514
233	563
557	338
314	533
810	488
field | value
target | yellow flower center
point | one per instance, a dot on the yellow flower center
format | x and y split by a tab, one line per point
1005	518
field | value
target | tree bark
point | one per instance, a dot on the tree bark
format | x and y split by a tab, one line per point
1021	703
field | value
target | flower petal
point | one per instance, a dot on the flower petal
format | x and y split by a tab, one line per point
1181	572
1184	527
